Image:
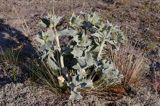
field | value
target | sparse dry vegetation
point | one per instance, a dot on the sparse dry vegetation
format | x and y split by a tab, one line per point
131	63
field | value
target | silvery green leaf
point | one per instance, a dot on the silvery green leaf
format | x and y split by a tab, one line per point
86	25
52	63
42	24
89	48
109	24
41	41
78	21
47	46
86	61
66	51
107	65
82	62
96	49
77	67
44	55
112	76
74	80
98	35
83	84
102	27
96	42
75	96
76	39
82	73
73	18
89	17
76	84
112	42
95	18
45	22
84	41
77	52
51	35
89	83
45	36
78	81
51	55
89	59
55	20
75	21
68	32
110	73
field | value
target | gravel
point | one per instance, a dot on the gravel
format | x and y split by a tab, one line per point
19	94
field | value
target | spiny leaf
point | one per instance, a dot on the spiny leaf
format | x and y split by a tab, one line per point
77	52
68	32
55	20
45	22
75	96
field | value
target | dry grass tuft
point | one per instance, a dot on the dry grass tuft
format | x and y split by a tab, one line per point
131	63
11	56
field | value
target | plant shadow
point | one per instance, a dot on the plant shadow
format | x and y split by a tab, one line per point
11	38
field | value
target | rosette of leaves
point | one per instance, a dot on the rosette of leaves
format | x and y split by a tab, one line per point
75	52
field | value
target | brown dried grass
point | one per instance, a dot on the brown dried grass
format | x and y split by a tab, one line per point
131	63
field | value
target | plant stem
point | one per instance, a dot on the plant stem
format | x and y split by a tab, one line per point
101	48
59	48
102	44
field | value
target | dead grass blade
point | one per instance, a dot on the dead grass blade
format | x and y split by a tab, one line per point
130	62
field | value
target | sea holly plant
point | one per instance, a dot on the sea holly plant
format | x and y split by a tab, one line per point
74	51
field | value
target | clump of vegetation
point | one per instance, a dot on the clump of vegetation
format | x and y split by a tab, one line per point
42	74
10	59
131	63
74	51
10	56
